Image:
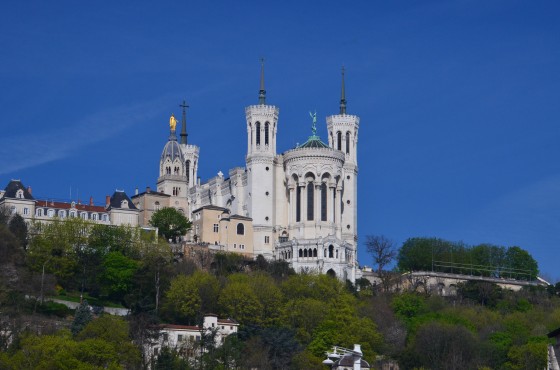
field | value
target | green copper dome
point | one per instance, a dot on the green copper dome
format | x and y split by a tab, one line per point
314	141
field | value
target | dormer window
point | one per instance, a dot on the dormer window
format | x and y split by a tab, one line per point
39	212
50	213
94	216
19	194
72	214
105	217
84	215
61	214
124	204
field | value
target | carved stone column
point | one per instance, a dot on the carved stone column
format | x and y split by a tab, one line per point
303	202
330	203
291	205
317	199
337	211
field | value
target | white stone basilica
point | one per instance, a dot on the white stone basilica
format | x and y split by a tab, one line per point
301	204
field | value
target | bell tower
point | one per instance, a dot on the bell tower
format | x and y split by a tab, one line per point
262	120
343	136
190	152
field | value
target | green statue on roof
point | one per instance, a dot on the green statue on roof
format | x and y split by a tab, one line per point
313	126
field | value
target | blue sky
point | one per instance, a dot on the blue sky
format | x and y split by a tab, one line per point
458	102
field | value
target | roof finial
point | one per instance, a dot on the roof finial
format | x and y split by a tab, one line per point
262	91
184	123
342	96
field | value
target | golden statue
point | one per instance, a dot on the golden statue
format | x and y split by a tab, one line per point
172	122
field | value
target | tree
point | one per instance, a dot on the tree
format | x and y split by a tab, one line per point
5	215
239	301
18	227
117	275
170	222
442	346
383	252
81	318
522	262
189	296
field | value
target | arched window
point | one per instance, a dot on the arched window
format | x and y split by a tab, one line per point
266	126
305	252
324	201
50	212
258	129
188	167
348	142
19	194
314	252
240	229
339	140
331	251
156	206
310	197
300	253
298	204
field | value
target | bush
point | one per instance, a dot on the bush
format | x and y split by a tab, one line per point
54	309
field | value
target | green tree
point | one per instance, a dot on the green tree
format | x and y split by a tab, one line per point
113	330
54	249
117	275
440	346
532	355
239	301
170	222
152	278
189	297
81	318
60	351
520	260
18	227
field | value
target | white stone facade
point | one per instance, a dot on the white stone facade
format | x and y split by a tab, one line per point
302	202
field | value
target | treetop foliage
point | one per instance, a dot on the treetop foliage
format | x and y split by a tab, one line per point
427	254
170	222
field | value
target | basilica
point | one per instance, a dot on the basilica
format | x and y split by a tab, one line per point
299	205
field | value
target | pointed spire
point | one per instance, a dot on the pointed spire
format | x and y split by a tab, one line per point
342	95
262	91
184	123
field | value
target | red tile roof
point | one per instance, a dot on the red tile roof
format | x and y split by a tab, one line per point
64	205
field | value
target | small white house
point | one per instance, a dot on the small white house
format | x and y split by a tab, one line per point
184	338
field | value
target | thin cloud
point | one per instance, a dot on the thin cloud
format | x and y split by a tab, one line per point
22	152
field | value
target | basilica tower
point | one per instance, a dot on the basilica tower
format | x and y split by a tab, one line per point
343	136
262	120
172	178
190	153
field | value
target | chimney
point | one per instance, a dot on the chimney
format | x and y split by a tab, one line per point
148	189
107	200
91	201
29	190
136	191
